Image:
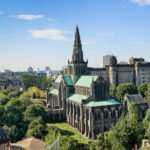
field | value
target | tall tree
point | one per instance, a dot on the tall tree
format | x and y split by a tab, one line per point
112	91
34	111
125	88
14	119
147	94
142	89
127	132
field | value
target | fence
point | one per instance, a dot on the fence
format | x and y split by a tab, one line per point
55	145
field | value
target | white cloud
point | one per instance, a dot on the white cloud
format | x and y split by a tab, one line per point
27	16
141	2
50	34
109	34
1	12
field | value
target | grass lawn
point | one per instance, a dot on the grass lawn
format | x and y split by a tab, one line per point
68	130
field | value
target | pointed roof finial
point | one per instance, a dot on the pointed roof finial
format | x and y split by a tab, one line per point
77	49
77	37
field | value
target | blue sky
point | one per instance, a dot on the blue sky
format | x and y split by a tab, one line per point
40	33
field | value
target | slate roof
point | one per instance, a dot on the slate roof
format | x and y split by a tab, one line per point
4	137
85	80
136	98
54	91
102	103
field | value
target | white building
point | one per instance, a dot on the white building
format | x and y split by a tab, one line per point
105	60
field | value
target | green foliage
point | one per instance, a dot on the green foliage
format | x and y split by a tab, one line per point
127	132
37	128
147	94
146	124
125	88
1	114
35	110
67	130
13	113
5	92
40	82
33	95
40	101
101	143
14	94
3	99
147	131
142	89
112	91
16	133
66	143
14	119
26	98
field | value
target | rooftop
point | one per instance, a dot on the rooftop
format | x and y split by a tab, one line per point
85	80
68	79
102	103
58	79
136	98
30	144
77	97
54	91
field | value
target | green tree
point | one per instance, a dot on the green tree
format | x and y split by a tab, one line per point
13	113
142	89
1	114
125	88
98	144
127	132
26	98
5	92
14	94
147	131
101	143
16	133
37	128
147	94
66	142
14	119
3	99
33	95
146	124
35	110
40	82
112	91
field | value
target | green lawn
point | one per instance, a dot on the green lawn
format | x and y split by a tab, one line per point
68	130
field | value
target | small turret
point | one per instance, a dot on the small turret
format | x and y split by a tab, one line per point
113	61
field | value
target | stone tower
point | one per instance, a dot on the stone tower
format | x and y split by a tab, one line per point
113	71
77	66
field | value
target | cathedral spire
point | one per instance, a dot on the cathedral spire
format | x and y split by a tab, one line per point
77	56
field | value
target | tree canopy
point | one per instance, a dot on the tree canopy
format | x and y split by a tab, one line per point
125	88
32	80
143	88
34	111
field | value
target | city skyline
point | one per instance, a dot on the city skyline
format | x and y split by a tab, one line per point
38	33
